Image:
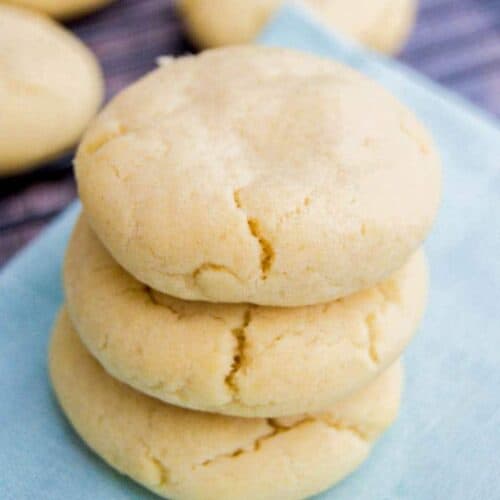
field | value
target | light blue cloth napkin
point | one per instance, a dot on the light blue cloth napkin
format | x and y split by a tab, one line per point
446	445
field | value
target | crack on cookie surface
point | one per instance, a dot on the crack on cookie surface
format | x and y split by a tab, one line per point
211	266
152	294
278	426
342	426
266	250
93	146
274	430
161	387
283	424
239	334
163	473
373	334
185	309
267	253
191	279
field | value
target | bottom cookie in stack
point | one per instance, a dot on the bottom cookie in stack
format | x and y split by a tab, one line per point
185	454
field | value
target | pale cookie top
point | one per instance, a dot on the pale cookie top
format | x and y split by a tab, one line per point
258	175
237	359
381	24
184	454
61	9
50	88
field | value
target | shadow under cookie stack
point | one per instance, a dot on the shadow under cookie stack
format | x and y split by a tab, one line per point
245	276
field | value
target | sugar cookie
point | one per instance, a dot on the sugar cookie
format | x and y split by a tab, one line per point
259	175
184	454
383	25
237	359
50	88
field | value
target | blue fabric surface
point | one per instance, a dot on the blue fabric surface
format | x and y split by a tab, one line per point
445	445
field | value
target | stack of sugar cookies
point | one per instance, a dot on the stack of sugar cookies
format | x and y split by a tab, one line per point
246	274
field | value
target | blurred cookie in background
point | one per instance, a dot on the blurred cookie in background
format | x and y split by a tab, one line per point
382	25
62	9
50	88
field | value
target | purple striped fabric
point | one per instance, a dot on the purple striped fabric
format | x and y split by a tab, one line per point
456	42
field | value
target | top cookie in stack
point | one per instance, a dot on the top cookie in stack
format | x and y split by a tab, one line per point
258	175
